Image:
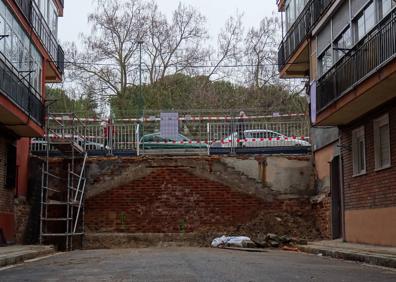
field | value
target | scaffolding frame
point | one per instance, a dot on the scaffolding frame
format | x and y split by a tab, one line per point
64	204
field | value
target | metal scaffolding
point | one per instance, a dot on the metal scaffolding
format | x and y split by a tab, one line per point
62	193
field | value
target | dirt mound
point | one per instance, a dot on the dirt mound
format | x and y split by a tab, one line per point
296	226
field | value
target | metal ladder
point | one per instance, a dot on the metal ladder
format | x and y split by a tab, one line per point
63	206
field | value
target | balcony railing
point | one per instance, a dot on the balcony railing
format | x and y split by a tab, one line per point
20	92
373	52
33	15
301	28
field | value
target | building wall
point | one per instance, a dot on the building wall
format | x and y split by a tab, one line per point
171	199
7	221
195	194
370	199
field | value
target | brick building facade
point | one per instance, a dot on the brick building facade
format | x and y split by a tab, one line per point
370	198
30	57
346	49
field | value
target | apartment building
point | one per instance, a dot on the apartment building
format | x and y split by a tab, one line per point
30	57
347	50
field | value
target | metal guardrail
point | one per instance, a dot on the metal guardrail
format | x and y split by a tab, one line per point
18	90
300	29
374	51
196	136
35	18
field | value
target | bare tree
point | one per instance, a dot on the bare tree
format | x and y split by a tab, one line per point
260	53
109	52
176	45
229	45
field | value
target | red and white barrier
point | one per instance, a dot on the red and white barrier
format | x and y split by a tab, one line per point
182	118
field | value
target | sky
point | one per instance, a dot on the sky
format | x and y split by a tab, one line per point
74	21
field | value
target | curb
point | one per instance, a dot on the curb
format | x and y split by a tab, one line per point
26	255
369	258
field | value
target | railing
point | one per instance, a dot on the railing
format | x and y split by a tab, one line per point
300	29
197	134
18	91
33	15
375	50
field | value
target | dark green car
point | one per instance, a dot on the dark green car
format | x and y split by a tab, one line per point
156	141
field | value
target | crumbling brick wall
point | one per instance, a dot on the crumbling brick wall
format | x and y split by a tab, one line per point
322	214
173	197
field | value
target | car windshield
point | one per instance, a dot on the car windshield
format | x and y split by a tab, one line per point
263	134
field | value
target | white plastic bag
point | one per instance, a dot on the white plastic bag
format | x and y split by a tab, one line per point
234	241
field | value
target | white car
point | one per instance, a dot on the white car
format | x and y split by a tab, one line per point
260	138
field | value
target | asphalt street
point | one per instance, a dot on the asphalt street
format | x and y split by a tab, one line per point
192	264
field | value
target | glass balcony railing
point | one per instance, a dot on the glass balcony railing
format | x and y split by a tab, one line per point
300	29
33	15
18	90
370	54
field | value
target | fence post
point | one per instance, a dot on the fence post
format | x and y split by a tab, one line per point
209	137
137	137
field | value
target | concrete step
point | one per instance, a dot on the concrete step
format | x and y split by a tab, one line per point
11	255
374	255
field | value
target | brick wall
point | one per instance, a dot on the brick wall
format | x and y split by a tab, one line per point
6	195
172	200
374	189
322	212
7	217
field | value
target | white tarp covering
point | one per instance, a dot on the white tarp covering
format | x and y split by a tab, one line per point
235	241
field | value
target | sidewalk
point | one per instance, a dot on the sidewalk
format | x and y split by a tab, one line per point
16	254
376	255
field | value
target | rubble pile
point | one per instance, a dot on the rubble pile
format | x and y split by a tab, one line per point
291	226
276	230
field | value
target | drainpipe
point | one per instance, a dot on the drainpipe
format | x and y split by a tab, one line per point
342	185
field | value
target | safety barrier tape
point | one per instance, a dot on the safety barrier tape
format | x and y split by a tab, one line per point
183	118
222	141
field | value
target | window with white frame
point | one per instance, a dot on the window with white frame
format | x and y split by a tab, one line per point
382	142
358	151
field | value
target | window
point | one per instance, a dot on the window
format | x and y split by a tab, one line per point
293	10
386	6
358	151
53	19
342	44
19	50
325	61
382	142
365	21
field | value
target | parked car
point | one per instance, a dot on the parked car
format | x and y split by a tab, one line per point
156	141
260	138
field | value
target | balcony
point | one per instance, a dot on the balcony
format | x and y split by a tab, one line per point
369	59
16	89
35	18
296	36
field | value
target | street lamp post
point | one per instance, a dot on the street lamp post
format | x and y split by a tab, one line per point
141	98
141	106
